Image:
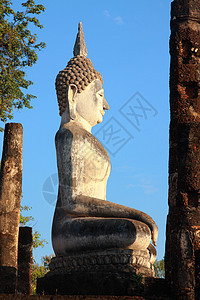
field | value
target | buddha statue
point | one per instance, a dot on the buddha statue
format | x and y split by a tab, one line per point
84	219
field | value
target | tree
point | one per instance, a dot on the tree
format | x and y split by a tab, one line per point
40	271
37	271
37	241
18	50
159	268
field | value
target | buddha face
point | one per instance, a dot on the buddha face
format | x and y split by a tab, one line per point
91	104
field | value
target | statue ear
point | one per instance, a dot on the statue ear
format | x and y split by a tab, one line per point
71	94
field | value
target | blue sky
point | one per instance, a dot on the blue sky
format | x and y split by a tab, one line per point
128	43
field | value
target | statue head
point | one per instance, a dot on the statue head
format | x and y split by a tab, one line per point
79	86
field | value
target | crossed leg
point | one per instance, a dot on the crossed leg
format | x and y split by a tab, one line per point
88	233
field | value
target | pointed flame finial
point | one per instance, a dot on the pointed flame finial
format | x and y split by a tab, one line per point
80	46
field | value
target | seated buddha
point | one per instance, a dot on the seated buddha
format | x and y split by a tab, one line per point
84	220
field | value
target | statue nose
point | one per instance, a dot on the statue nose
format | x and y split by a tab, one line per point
105	105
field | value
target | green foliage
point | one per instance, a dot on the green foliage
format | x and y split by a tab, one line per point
18	50
23	219
37	271
40	271
46	261
159	268
37	241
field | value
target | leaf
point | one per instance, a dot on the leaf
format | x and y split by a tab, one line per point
18	50
159	268
24	220
40	271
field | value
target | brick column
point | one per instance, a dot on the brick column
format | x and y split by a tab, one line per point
183	222
10	197
25	260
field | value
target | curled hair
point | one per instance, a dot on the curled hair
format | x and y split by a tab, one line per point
79	71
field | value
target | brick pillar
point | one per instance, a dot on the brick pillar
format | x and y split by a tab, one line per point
25	247
10	197
183	222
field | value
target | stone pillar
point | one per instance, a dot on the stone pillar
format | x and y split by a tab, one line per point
10	197
183	222
25	260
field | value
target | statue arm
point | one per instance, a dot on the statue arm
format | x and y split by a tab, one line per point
77	205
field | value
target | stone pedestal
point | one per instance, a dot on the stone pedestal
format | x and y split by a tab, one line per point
110	272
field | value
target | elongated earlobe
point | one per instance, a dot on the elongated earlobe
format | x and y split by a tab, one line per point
71	93
72	112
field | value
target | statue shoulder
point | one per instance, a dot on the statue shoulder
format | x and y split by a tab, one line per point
79	138
71	131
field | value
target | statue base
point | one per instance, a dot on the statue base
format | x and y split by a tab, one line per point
110	272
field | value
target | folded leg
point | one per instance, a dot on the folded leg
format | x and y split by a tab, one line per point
81	234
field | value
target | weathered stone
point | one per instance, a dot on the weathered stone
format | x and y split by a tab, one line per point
10	197
79	71
112	260
75	297
157	288
109	272
91	283
8	277
182	244
80	46
25	261
84	221
185	9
